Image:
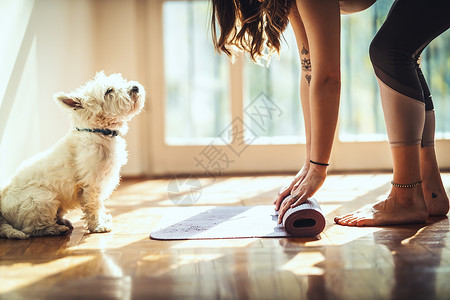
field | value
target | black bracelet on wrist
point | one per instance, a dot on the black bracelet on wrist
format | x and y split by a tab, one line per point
317	163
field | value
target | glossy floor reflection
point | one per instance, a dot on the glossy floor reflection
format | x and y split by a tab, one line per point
403	262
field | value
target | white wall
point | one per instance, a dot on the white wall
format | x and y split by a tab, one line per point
50	46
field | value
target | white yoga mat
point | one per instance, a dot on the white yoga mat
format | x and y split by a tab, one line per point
223	222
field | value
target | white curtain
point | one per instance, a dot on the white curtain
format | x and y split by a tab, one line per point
50	46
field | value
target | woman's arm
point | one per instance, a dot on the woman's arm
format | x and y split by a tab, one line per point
322	25
321	20
305	81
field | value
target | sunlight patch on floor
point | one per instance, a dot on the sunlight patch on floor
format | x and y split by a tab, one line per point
340	235
304	264
218	243
36	271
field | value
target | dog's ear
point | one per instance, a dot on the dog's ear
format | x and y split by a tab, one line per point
100	74
70	102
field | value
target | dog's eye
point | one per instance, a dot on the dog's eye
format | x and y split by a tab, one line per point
109	91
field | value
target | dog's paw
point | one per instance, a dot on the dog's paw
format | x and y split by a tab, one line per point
63	229
107	218
22	236
53	229
101	227
65	222
104	224
18	235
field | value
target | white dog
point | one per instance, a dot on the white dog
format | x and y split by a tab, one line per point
82	169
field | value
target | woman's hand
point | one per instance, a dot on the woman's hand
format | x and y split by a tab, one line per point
305	189
286	190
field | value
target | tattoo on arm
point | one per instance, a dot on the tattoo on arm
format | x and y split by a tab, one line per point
304	51
308	78
306	64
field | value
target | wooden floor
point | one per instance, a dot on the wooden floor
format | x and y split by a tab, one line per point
404	262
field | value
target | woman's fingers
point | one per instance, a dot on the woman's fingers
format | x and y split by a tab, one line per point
284	192
287	189
306	189
284	207
309	186
288	203
291	201
297	184
300	200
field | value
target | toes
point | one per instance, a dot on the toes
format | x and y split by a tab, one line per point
365	222
351	222
339	219
356	222
347	220
344	216
342	222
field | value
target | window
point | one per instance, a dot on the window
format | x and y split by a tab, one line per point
197	80
279	83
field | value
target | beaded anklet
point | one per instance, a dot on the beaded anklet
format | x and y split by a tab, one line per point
410	185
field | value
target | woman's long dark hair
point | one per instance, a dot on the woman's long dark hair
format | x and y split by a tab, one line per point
249	25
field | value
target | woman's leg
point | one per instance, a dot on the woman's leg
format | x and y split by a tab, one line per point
402	205
433	188
410	26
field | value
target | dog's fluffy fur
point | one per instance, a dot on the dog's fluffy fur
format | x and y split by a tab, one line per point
82	169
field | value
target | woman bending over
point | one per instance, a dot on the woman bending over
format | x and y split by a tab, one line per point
254	26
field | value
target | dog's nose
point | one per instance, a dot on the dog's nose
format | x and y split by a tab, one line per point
134	89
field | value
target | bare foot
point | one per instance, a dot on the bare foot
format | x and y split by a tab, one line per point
435	197
402	206
433	188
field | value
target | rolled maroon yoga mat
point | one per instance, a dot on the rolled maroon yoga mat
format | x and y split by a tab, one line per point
306	219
